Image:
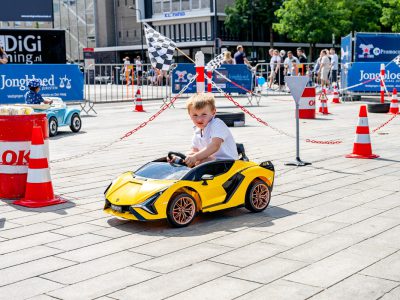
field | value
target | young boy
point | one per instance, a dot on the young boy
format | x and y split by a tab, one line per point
33	96
212	138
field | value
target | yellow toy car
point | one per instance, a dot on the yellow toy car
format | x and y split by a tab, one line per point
160	189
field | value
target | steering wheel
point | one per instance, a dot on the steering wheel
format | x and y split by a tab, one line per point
178	159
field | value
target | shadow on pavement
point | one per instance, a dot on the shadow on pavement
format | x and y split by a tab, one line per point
230	220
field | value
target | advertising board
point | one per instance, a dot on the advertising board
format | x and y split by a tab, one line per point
64	81
27	11
34	46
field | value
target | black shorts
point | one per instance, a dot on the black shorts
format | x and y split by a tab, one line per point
140	73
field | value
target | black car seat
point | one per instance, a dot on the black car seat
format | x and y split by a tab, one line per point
241	152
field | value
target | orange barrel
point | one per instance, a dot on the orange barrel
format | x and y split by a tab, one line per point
15	141
307	104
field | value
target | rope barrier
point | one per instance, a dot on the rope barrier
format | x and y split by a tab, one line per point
129	133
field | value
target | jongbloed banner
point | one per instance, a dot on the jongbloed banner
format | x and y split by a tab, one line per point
26	10
34	46
64	81
368	73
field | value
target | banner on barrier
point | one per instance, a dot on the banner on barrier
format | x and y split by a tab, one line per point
64	81
376	47
239	74
365	72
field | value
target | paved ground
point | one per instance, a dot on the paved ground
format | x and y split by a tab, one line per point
331	232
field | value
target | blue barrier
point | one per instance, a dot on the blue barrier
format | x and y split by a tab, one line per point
239	74
64	81
363	72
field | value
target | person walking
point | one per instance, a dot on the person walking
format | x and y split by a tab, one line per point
274	65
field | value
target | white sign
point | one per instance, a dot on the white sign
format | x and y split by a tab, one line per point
296	85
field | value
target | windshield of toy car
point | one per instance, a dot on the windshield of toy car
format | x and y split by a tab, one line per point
162	170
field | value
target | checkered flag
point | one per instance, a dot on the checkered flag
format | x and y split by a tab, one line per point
161	49
397	60
215	63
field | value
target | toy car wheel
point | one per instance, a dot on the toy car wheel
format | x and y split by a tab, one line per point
76	123
258	196
181	210
53	126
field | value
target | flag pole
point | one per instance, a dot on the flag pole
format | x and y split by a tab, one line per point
179	50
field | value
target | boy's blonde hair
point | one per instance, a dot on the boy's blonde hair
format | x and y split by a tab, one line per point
199	101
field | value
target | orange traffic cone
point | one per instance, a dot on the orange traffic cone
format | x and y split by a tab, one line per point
323	109
335	98
138	102
362	143
394	104
39	189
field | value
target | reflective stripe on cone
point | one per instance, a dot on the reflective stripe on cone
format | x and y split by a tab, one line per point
362	147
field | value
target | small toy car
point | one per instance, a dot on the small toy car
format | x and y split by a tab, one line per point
58	114
160	189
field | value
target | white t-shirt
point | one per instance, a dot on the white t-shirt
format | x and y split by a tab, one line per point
216	128
138	65
334	61
275	61
289	63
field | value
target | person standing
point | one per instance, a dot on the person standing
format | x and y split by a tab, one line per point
335	64
303	60
228	58
127	69
139	69
290	64
324	69
240	56
3	56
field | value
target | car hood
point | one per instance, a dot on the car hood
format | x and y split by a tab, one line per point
127	190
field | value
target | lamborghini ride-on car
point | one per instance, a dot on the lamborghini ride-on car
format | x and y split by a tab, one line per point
160	189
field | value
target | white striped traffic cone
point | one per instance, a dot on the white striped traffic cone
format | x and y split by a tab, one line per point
138	102
39	189
362	143
324	103
335	98
394	104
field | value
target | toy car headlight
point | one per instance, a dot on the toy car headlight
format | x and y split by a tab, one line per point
148	204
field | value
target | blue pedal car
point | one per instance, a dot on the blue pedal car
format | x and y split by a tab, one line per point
58	115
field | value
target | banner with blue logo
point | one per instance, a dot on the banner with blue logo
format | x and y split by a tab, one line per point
240	74
346	52
369	74
376	47
64	81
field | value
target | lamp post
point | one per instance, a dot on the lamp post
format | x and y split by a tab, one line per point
252	30
141	29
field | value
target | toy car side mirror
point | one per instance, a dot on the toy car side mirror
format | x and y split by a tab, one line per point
206	177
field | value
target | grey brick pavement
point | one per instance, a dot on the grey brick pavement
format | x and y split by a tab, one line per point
332	231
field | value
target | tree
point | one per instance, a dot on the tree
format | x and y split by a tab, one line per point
359	15
239	16
311	21
391	14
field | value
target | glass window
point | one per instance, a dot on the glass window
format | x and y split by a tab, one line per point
166	7
157	7
176	5
195	4
204	4
186	4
